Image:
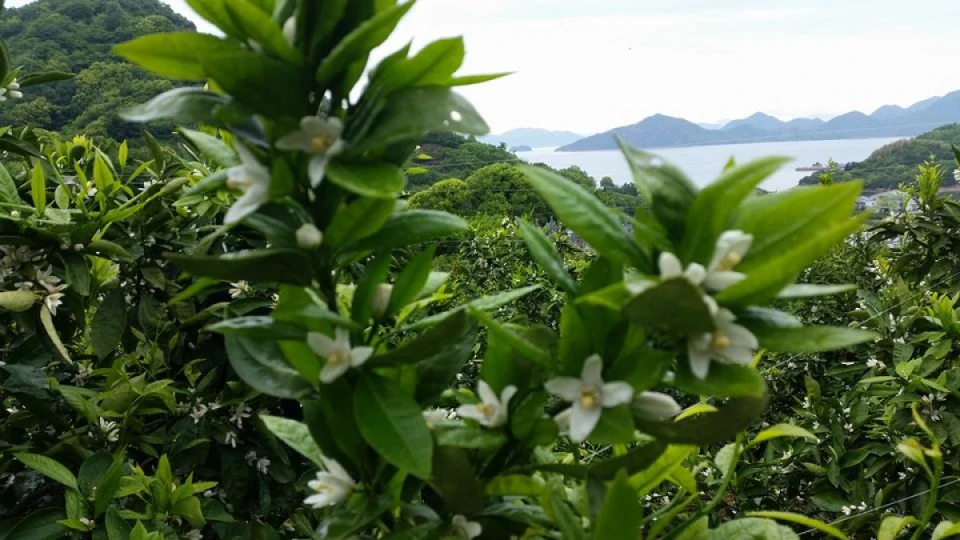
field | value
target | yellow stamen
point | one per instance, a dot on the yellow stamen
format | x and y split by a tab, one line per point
239	183
321	143
720	340
588	399
727	263
486	409
337	357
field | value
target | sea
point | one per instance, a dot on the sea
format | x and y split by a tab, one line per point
704	163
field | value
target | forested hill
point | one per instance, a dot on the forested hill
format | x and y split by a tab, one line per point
896	163
76	36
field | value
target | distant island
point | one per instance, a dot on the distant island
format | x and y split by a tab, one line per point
888	121
532	137
521	148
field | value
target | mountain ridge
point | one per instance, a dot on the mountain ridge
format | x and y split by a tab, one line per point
533	137
887	121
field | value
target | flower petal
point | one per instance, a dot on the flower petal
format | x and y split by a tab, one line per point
699	360
331	372
695	273
740	336
507	394
321	344
295	140
736	355
592	373
616	393
342	337
718	281
567	388
360	355
654	406
670	266
243	207
318	168
471	412
582	421
333	467
487	395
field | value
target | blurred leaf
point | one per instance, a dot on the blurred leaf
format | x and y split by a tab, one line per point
265	265
377	180
811	523
810	339
8	188
783	430
621	514
407	228
38	187
733	417
688	313
109	324
211	147
413	112
260	327
175	55
392	423
546	255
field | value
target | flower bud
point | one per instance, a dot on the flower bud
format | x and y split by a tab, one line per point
290	30
309	236
381	299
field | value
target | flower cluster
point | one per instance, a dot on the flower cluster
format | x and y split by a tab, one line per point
11	91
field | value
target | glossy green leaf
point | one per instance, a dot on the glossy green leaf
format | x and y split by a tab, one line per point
50	468
359	219
454	479
516	485
176	55
688	313
587	216
260	327
469	437
40	525
392	423
810	523
18	301
891	526
46	320
407	228
374	274
377	180
109	324
296	435
569	523
751	529
723	380
733	417
664	187
38	187
522	346
620	515
413	112
259	27
189	509
117	527
648	479
433	65
8	188
211	147
44	77
411	280
451	351
710	212
546	255
266	265
179	104
261	365
249	77
105	248
359	42
810	339
783	430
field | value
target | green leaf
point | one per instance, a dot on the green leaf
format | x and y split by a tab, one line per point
437	370
407	228
358	220
175	55
945	529
467	80
260	327
38	187
139	532
50	468
77	272
191	510
374	274
358	43
179	104
515	484
620	515
710	212
411	113
765	281
40	525
215	11
377	180
545	253
891	526
454	479
8	188
810	523
296	435
106	247
107	487
392	423
688	313
434	65
261	365
211	147
267	86
783	430
736	415
258	26
46	319
807	290
723	380
411	280
588	217
109	324
810	339
668	463
523	347
117	528
664	187
264	265
556	507
46	77
752	529
18	301
469	437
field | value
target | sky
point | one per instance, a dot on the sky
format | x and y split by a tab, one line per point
591	65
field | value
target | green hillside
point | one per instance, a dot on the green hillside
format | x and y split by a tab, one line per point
896	163
76	36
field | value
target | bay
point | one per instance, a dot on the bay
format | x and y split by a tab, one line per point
704	163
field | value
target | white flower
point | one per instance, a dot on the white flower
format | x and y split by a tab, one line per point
240	412
319	137
240	289
872	362
309	236
654	406
465	529
230	438
263	465
381	299
14	214
340	356
728	344
54	299
253	179
193	534
47	280
290	30
250	457
198	411
491	411
956	175
589	395
109	430
24	285
731	247
671	268
88	523
331	486
434	416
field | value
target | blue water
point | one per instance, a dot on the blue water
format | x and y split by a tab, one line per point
703	163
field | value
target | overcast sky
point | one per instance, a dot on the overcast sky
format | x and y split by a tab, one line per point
590	65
